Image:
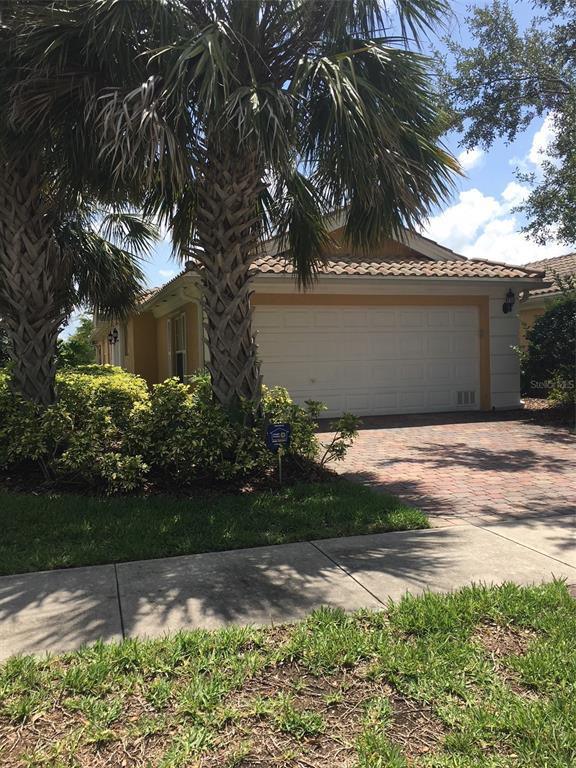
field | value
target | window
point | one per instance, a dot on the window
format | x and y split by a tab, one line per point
179	347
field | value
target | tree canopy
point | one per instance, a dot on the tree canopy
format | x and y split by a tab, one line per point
507	77
78	348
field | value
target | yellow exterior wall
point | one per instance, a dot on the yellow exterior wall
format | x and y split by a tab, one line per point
193	337
142	346
162	360
527	317
378	300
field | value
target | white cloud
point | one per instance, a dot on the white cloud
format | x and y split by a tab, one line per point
541	141
167	273
460	223
482	226
500	240
470	158
514	194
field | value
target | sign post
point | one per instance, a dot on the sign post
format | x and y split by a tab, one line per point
278	440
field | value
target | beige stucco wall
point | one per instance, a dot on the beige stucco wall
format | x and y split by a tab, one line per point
162	360
144	346
527	317
193	336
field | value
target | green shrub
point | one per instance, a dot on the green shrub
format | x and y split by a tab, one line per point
279	408
74	439
87	387
548	364
107	431
181	435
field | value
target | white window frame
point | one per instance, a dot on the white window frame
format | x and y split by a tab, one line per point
173	350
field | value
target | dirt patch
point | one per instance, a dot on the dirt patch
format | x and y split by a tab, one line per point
415	728
501	641
59	733
347	704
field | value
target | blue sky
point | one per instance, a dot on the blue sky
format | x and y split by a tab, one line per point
479	221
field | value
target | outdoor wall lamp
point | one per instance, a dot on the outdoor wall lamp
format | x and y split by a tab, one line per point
113	336
508	301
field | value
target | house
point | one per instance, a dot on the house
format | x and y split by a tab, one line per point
412	327
534	302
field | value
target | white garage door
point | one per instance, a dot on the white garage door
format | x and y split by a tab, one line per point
373	360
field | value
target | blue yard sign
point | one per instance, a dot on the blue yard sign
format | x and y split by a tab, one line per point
278	436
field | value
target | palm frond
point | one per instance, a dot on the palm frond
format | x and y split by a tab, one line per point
370	138
129	231
103	276
300	218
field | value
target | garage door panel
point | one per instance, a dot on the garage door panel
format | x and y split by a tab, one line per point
384	374
438	344
382	318
411	372
439	318
411	318
464	344
439	371
413	400
410	344
372	360
383	345
465	318
327	319
466	371
298	318
440	399
357	319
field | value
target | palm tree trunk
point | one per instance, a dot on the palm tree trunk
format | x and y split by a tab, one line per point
227	222
29	300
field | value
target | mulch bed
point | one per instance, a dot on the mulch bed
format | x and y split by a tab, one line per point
542	411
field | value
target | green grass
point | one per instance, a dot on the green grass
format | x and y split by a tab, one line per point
482	678
45	532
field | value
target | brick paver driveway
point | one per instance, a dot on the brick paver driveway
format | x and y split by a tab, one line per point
468	468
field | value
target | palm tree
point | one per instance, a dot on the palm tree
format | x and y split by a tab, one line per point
97	267
250	119
52	258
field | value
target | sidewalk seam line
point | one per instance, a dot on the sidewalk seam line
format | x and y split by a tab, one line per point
350	575
538	552
122	629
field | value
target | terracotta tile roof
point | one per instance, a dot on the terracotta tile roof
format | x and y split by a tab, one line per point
347	264
147	294
558	265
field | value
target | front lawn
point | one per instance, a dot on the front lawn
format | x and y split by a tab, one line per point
42	532
483	678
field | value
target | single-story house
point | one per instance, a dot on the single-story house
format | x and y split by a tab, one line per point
534	302
412	327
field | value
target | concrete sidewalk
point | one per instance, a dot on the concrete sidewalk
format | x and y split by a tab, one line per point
62	610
